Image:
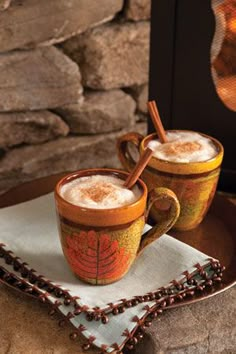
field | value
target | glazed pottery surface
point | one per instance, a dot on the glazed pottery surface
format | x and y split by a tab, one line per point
100	245
193	183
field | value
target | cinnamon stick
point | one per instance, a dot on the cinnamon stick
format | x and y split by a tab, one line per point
138	169
152	108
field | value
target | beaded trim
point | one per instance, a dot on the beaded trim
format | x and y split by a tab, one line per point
130	338
188	282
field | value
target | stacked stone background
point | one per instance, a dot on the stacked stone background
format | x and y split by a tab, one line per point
73	78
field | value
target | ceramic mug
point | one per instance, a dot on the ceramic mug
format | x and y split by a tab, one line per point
194	183
101	244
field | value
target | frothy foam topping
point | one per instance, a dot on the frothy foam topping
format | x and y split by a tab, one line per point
99	192
184	147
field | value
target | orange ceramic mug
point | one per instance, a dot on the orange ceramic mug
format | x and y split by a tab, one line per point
101	244
194	183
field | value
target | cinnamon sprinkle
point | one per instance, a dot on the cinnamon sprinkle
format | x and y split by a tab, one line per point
98	193
182	147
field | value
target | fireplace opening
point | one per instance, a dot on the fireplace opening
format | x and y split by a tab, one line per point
223	51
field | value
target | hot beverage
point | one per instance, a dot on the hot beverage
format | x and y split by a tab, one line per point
99	192
188	163
184	146
101	222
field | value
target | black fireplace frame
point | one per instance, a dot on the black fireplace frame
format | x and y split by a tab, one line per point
181	80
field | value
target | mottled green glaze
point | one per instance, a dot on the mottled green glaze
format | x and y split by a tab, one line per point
101	244
100	255
194	192
193	183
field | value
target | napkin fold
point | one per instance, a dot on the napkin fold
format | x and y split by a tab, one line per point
110	316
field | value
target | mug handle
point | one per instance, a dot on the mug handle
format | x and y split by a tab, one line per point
167	221
123	150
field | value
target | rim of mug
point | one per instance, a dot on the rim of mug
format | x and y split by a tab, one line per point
100	217
185	168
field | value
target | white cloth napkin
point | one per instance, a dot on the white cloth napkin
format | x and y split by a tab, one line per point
30	231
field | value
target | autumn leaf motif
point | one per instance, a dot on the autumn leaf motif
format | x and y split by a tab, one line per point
95	256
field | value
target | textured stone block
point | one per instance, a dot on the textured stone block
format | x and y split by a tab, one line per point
25	327
140	94
37	79
28	23
112	56
30	128
101	112
208	327
138	10
64	154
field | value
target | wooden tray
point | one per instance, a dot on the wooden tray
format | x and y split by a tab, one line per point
216	236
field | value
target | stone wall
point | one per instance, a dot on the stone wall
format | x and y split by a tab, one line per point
73	77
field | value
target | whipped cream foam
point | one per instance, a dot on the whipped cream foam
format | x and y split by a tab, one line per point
184	146
99	192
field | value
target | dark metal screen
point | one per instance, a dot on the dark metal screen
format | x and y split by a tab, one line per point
223	51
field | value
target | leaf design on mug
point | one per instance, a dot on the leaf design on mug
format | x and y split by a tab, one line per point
96	256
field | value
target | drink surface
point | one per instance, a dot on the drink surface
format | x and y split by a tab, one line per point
184	147
99	192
